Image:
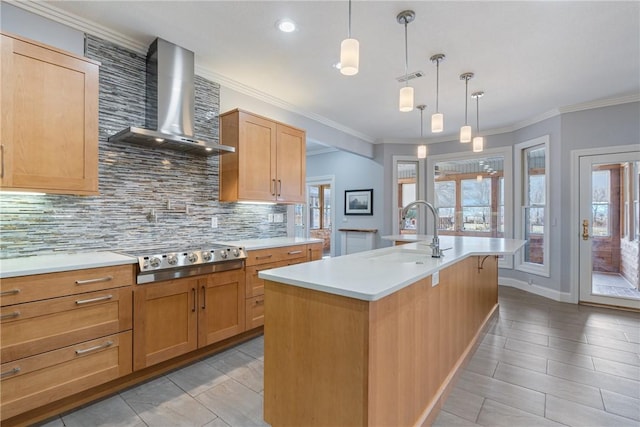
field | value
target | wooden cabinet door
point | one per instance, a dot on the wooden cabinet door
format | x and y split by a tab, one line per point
291	161
165	321
49	133
221	306
256	158
315	251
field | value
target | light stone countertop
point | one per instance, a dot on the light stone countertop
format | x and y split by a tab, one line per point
272	242
372	275
40	264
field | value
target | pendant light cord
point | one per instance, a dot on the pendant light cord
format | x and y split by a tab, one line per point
466	100
421	120
349	19
478	114
437	83
406	55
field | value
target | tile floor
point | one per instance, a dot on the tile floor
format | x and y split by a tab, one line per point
541	363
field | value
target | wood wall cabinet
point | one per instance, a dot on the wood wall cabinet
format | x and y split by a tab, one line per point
265	259
49	133
63	333
177	316
269	161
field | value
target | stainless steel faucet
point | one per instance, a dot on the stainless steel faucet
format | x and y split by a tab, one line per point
435	242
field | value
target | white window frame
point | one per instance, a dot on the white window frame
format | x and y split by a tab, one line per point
507	152
394	185
519	192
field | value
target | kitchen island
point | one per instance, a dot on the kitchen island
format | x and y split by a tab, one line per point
377	337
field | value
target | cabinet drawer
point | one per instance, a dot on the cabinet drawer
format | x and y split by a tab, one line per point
16	290
36	327
263	256
255	285
35	381
255	312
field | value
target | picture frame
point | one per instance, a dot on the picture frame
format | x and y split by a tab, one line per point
358	202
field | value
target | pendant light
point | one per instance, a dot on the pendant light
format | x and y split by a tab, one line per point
422	149
437	119
465	131
406	93
478	141
349	52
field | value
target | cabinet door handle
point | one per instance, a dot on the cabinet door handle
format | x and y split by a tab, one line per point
294	252
273	182
193	291
279	187
94	348
264	256
98	280
10	372
9	292
10	315
204	297
585	230
88	301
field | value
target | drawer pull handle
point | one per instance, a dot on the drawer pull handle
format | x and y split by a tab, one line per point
259	302
264	256
294	252
10	315
88	301
10	292
10	372
94	348
98	280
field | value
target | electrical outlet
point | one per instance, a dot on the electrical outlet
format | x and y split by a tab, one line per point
214	222
435	279
269	217
278	218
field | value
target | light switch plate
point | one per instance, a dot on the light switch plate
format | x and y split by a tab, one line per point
435	279
214	222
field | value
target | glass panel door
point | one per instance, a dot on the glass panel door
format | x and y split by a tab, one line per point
609	243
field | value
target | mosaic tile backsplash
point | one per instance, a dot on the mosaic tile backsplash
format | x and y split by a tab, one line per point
148	198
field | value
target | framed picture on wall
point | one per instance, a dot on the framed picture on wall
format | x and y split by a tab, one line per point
358	202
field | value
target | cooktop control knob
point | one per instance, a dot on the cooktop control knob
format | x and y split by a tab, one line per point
172	259
192	257
154	262
206	256
223	254
236	253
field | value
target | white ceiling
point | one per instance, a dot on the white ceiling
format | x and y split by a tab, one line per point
530	58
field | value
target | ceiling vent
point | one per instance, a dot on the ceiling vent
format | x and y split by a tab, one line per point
410	76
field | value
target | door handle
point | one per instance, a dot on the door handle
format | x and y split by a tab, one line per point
585	230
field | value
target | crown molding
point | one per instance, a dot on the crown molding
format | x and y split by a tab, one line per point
51	12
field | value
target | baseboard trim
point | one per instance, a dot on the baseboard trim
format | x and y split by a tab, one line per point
536	289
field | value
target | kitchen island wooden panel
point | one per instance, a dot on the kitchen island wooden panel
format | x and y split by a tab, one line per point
336	360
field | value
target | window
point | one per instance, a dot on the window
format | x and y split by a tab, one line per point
445	192
476	204
601	202
406	190
532	192
501	205
319	207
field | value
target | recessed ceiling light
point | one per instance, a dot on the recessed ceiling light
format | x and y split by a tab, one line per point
286	25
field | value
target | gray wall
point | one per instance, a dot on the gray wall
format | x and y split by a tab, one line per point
352	172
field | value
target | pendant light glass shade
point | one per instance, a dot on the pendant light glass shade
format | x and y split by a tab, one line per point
349	57
478	144
437	122
465	134
437	119
349	52
422	151
406	99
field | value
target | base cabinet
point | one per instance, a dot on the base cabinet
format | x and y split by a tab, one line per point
178	316
63	333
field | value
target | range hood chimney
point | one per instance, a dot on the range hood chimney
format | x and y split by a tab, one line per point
170	104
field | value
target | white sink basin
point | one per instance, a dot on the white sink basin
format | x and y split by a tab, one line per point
401	256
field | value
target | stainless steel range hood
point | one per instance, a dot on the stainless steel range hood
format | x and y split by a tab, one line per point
170	104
